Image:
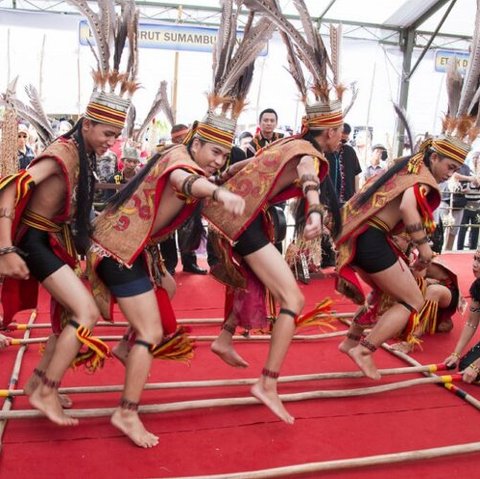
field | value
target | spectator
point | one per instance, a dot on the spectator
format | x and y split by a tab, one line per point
244	139
25	152
268	121
379	154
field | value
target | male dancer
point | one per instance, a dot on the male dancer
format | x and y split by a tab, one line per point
401	199
37	208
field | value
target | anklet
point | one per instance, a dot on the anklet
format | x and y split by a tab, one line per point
270	374
229	328
354	337
50	383
130	405
39	373
367	344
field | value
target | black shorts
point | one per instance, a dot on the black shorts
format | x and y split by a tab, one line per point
374	253
40	259
469	358
253	238
124	282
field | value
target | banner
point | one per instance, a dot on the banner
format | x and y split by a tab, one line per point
442	57
168	37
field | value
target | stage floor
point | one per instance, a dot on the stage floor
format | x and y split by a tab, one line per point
232	439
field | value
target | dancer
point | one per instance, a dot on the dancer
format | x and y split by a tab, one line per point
150	207
402	198
288	168
37	208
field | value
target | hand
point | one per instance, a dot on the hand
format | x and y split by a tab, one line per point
425	256
313	226
4	341
12	265
470	374
231	202
452	360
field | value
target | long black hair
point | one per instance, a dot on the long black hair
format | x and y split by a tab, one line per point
85	189
328	195
399	164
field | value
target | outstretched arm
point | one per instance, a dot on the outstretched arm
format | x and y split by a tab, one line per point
199	187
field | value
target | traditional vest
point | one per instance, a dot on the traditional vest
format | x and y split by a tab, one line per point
20	295
354	221
254	183
125	233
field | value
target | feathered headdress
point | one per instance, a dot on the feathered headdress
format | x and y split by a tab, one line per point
110	99
233	64
461	124
34	114
325	111
160	103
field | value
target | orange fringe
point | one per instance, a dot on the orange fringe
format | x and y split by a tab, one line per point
96	353
176	347
312	318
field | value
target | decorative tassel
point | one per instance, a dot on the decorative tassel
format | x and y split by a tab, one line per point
177	347
428	316
413	322
422	284
424	209
312	318
96	353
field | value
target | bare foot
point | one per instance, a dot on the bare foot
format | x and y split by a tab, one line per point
129	423
120	351
46	400
33	383
65	401
228	354
270	398
346	345
403	347
364	360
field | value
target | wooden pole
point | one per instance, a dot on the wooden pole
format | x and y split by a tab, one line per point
450	387
122	324
175	72
241	401
233	382
259	337
357	462
7	405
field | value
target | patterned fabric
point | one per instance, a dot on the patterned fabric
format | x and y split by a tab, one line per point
134	219
124	234
23	294
255	183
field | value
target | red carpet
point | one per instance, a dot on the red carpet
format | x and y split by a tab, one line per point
245	438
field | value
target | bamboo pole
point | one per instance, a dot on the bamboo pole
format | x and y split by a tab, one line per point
259	337
7	405
452	388
242	401
22	327
233	382
341	464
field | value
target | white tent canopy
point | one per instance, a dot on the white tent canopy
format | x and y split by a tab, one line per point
383	39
